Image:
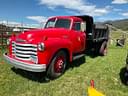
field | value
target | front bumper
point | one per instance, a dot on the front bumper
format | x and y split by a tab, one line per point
25	66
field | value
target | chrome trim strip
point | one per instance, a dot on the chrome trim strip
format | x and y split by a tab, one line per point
20	40
22	48
26	52
26	59
26	45
25	66
21	55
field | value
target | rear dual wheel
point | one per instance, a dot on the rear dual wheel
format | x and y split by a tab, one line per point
58	65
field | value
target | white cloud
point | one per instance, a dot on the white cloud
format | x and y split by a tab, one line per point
39	19
19	24
6	22
10	23
119	1
125	14
117	10
76	5
102	19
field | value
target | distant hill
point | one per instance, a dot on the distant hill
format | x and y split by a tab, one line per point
122	24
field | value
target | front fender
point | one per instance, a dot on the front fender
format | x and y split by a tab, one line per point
52	45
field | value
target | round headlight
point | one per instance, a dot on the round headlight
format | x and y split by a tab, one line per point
41	47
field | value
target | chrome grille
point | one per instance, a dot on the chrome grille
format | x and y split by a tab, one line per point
24	51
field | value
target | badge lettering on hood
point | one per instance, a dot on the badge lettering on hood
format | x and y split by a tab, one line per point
20	40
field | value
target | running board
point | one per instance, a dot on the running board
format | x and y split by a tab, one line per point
78	56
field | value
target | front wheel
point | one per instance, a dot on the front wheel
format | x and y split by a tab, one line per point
58	65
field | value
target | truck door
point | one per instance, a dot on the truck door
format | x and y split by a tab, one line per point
79	37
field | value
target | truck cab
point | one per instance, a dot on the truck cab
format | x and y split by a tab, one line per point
63	39
76	30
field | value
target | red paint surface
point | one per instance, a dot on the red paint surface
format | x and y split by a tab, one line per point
54	39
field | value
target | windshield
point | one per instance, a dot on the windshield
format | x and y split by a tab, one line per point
58	23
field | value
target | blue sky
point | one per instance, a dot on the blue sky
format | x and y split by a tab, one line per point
37	11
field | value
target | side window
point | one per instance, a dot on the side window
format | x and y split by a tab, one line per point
80	26
83	26
77	26
50	23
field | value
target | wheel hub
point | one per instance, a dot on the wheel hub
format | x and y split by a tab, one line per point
59	65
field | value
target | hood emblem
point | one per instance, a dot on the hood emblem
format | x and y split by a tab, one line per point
20	40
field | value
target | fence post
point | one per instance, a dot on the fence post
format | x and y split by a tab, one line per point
2	39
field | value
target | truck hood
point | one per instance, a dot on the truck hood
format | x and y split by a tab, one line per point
38	35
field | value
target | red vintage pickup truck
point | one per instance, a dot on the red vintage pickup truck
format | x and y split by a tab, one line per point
62	40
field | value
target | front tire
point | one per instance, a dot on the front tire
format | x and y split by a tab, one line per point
57	65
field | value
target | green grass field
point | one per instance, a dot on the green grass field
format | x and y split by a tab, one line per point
105	71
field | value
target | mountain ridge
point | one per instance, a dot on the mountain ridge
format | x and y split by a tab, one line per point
121	24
